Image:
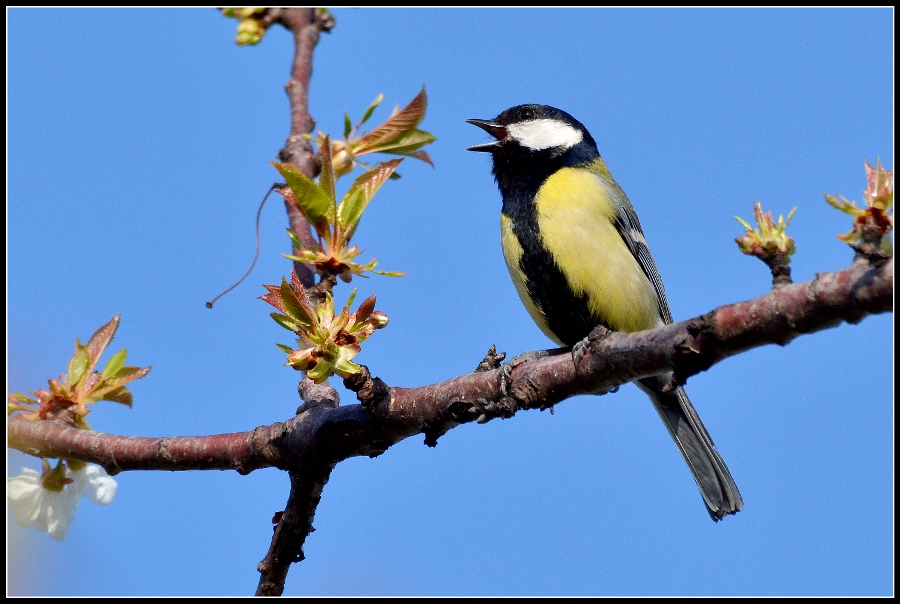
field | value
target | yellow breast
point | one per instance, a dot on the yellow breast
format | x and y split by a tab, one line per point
575	217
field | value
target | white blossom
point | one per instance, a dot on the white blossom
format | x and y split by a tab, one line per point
94	483
52	511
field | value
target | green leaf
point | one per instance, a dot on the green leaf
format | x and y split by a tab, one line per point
115	363
326	309
790	215
421	155
113	387
399	122
313	201
119	395
350	209
744	223
371	108
304	258
361	193
348	125
327	179
390	273
284	321
320	372
129	374
344	368
78	364
100	340
284	348
298	243
405	143
351	298
296	308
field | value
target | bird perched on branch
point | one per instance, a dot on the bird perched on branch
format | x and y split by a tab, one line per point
578	258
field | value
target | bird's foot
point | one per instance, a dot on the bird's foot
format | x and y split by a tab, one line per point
581	348
598	334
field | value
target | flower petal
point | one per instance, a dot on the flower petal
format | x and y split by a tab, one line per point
56	513
100	487
24	496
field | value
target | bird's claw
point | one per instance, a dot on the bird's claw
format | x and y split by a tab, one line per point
505	377
581	348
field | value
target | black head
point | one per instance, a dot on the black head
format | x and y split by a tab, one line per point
535	129
533	142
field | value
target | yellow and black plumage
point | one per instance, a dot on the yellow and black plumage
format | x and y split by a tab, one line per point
578	258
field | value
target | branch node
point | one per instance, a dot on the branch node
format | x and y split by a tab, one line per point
324	20
432	434
482	410
316	395
781	271
693	353
868	248
504	378
491	360
527	394
369	391
317	293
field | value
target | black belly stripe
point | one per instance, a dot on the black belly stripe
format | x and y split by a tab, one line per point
567	314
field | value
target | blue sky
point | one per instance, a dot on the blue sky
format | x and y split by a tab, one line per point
138	143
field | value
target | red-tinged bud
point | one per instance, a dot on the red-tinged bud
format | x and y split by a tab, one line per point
879	190
341	158
378	319
365	309
303	360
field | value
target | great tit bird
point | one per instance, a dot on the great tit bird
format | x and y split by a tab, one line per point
578	258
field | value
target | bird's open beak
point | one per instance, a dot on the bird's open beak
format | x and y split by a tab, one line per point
495	130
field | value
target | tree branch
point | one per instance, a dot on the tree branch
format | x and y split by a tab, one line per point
295	523
305	24
388	415
293	526
241	451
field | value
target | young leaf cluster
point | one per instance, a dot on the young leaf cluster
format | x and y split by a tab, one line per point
327	342
398	135
82	386
770	238
879	198
334	222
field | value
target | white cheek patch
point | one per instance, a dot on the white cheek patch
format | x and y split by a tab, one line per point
542	134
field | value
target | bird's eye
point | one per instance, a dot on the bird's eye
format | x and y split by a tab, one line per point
526	114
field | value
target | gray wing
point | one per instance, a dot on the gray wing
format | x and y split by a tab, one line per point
629	228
